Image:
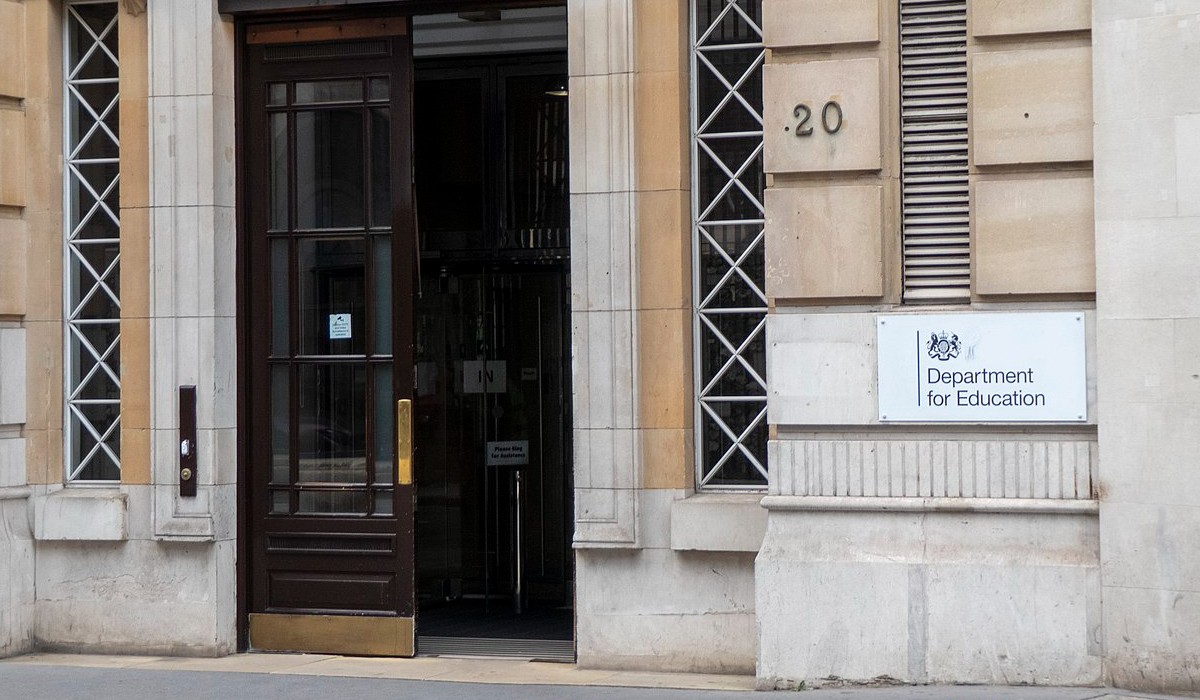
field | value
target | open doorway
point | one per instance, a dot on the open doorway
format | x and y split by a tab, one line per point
492	400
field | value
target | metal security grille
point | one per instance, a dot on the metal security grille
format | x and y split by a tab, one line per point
727	244
92	264
933	119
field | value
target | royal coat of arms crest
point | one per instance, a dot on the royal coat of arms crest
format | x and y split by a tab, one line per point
943	346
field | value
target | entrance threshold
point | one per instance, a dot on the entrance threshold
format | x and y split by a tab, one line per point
554	650
472	627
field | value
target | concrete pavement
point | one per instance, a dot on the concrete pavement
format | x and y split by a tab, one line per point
319	677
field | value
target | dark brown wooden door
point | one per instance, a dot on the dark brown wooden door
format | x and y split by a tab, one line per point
328	250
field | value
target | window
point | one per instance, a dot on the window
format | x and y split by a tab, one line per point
935	217
727	244
92	261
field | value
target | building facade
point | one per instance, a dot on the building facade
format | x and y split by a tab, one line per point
644	259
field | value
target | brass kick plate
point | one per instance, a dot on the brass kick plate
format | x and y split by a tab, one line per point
332	634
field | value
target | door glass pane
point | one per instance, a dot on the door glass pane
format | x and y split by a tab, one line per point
385	425
281	502
311	92
383	503
331	277
279	297
449	157
332	431
276	94
378	89
333	502
381	180
329	169
280	428
279	166
383	295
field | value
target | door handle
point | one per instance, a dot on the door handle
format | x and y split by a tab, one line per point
404	443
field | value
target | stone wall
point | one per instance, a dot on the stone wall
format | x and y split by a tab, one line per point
884	539
30	228
134	568
1147	110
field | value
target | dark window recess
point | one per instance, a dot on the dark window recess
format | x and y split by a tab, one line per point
497	182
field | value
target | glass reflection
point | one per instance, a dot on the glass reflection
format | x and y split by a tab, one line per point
333	502
279	166
311	92
331	281
332	431
329	169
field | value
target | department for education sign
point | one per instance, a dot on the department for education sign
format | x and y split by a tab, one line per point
982	367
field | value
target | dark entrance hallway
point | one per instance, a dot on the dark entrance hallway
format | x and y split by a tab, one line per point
492	400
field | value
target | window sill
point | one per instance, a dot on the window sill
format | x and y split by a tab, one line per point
80	515
718	522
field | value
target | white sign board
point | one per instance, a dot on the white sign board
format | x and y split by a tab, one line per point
982	367
508	453
339	326
485	377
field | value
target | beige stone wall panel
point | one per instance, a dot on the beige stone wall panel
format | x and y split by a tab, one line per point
42	176
44	264
135	153
12	158
135	263
855	84
12	49
798	23
1031	106
824	242
135	249
1035	237
44	456
665	390
660	131
13	239
993	18
135	374
664	250
667	459
661	34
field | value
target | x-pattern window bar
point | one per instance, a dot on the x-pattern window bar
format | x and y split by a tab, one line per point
92	229
727	242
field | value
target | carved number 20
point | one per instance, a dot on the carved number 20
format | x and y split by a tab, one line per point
831	118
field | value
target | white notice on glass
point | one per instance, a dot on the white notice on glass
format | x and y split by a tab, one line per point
339	326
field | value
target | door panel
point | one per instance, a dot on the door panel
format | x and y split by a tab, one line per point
328	254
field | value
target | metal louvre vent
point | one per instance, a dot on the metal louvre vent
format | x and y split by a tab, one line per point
935	206
326	50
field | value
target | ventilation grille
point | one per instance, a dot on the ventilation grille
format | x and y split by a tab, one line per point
326	50
933	120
